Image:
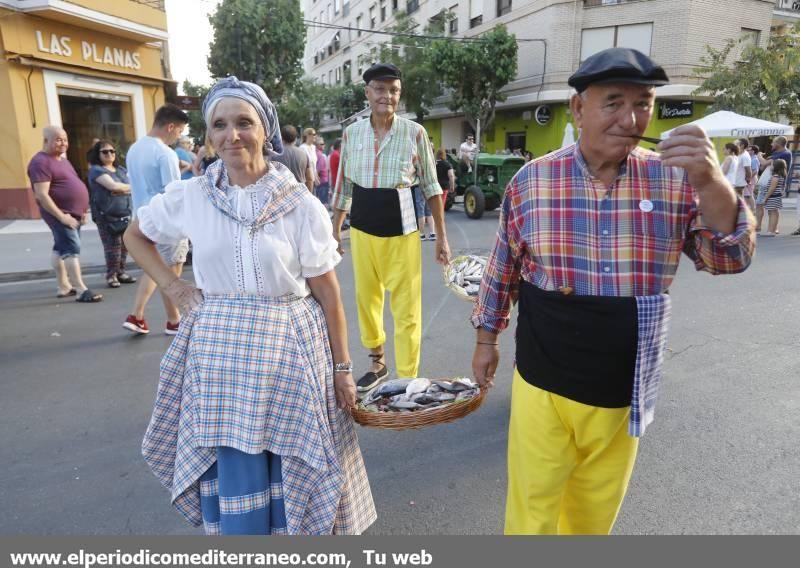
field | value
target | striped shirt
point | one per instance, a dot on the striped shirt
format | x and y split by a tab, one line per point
402	159
560	227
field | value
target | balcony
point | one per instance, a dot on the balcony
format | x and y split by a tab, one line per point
595	3
787	10
141	20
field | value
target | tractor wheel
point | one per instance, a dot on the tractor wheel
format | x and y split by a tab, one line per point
474	202
451	198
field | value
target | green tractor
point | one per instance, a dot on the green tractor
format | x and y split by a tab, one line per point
485	191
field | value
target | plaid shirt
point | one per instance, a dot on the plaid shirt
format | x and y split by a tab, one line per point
404	158
561	227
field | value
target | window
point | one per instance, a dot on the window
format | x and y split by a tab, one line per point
349	32
336	43
748	37
383	10
338	75
330	77
453	19
330	49
347	72
358	25
394	5
475	13
436	23
337	4
503	7
316	58
412	6
346	8
635	36
372	16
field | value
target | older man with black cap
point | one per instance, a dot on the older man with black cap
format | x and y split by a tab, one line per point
384	161
590	238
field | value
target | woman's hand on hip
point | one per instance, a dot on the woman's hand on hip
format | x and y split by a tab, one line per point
184	295
345	388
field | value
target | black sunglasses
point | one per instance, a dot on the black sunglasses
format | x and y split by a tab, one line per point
108	151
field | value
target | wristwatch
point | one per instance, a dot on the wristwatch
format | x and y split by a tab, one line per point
346	367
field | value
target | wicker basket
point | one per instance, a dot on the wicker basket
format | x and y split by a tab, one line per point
416	419
457	290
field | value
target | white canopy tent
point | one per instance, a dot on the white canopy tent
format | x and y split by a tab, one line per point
569	135
727	124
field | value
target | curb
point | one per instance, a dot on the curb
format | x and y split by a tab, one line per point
24	276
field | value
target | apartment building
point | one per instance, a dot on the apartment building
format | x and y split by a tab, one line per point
99	68
554	37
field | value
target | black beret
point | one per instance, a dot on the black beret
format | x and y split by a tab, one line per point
618	65
381	71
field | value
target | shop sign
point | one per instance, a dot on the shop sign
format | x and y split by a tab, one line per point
675	109
90	51
542	115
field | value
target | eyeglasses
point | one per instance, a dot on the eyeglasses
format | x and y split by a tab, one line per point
108	151
382	91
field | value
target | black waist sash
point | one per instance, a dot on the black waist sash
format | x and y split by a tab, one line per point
376	211
580	347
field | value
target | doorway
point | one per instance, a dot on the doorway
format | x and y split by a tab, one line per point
516	141
87	116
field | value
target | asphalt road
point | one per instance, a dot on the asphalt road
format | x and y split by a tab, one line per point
76	393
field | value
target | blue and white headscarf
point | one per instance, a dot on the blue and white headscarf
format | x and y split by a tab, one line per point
256	97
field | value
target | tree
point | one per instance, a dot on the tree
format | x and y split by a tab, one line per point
258	41
197	125
346	100
305	105
763	83
421	84
475	71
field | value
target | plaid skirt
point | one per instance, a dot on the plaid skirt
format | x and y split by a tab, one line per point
255	374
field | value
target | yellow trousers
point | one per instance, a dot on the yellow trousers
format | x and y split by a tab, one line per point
393	264
569	463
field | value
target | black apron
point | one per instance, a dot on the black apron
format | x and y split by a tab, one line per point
376	211
580	347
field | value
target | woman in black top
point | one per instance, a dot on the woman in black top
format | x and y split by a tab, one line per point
773	201
111	208
445	174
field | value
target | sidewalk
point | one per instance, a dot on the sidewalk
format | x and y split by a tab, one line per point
25	247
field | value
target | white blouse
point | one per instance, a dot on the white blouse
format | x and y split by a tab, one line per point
225	258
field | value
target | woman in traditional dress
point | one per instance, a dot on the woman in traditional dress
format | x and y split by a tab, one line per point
250	430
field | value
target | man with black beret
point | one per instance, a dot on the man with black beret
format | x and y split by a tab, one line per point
589	241
384	161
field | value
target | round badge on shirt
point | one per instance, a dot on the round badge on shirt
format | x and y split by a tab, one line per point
646	205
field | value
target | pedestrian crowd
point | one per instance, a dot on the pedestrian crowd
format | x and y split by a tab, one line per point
251	431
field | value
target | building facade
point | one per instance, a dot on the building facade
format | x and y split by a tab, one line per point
96	67
554	37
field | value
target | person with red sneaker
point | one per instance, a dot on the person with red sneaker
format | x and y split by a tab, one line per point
152	164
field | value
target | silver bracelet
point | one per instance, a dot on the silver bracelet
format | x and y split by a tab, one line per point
346	367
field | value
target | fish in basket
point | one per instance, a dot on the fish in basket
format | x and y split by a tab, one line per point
401	404
463	275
